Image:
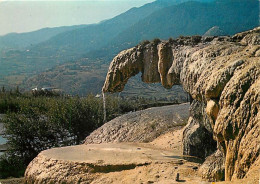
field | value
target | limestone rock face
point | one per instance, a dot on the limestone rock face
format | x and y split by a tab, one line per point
221	72
198	135
141	126
109	163
213	168
72	172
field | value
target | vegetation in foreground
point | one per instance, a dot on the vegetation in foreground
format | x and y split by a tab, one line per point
39	121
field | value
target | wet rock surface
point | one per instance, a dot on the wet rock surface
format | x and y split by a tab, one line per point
101	163
141	126
221	72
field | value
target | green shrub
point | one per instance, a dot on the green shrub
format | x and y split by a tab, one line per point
36	123
144	42
171	40
156	41
11	166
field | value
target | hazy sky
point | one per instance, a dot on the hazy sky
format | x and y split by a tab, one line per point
29	15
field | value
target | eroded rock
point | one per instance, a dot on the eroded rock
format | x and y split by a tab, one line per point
141	126
94	163
221	72
213	168
198	135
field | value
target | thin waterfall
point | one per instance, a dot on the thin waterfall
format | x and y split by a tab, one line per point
104	107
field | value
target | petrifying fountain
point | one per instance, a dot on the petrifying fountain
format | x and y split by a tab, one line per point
222	73
104	107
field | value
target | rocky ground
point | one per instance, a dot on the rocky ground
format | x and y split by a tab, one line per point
154	162
157	161
12	181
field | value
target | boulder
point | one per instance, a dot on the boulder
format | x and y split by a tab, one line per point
141	126
213	168
197	139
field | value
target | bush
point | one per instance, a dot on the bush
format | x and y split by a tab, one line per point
43	123
37	123
77	116
171	40
156	41
144	42
11	166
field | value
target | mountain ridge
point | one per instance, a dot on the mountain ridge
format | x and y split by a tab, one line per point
165	22
26	39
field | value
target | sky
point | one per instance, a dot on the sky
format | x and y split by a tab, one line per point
25	16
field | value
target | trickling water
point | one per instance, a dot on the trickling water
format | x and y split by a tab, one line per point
104	107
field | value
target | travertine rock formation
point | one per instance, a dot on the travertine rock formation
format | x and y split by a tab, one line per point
141	126
213	168
198	135
221	72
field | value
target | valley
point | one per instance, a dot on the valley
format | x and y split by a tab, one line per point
79	55
167	92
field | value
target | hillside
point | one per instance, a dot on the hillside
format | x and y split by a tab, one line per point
88	50
15	41
77	42
184	19
18	65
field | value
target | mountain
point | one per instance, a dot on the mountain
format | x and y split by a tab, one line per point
189	18
23	40
18	65
21	58
84	53
76	43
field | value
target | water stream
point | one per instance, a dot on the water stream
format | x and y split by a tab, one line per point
2	140
104	107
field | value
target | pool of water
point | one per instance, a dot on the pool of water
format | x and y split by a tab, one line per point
2	140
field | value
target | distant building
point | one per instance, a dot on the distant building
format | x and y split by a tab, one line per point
35	89
46	90
98	96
